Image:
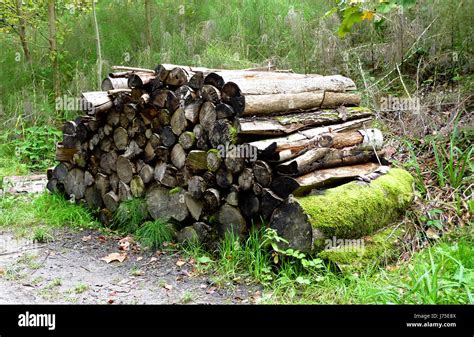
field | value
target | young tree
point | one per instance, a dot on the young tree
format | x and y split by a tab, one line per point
53	47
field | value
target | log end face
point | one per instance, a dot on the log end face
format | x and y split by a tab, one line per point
291	223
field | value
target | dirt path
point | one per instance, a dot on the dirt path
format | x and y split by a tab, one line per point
70	270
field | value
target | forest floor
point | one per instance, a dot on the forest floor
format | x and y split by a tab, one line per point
70	269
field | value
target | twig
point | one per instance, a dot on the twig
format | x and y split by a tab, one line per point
132	69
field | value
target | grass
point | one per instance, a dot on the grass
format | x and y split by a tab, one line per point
154	233
130	215
440	274
37	215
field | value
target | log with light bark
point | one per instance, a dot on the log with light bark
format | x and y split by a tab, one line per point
284	148
285	185
281	125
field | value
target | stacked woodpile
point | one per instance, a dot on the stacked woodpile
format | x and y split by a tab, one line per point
215	149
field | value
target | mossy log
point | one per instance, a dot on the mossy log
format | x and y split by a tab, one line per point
355	255
352	210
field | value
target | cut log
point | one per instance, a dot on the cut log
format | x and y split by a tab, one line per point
246	179
147	173
74	184
124	192
196	161
196	81
196	186
214	160
249	205
93	197
137	187
316	159
178	122
280	125
211	94
211	199
133	150
194	205
207	115
140	79
102	183
336	99
224	178
177	76
350	211
284	185
230	221
167	136
187	140
232	197
108	162
224	111
166	205
125	169
111	201
95	102
269	201
284	148
234	163
222	133
165	174
121	138
64	153
61	171
111	83
191	111
88	178
262	172
215	80
270	83
178	156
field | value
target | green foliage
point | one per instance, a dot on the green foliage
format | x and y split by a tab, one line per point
33	146
130	215
154	233
42	235
353	12
24	214
453	164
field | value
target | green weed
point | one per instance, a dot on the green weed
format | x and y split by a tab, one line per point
154	233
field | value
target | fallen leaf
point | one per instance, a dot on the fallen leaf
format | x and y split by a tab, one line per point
101	238
153	259
86	238
115	257
110	301
139	258
211	290
432	234
125	243
180	263
167	286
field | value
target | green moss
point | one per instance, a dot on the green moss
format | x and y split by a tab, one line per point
380	248
216	151
233	133
357	209
175	190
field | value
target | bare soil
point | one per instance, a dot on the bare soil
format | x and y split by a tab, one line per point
70	270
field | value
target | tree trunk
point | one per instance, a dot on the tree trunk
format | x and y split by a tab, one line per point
22	31
53	47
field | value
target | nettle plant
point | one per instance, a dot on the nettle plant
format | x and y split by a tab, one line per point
356	11
311	265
